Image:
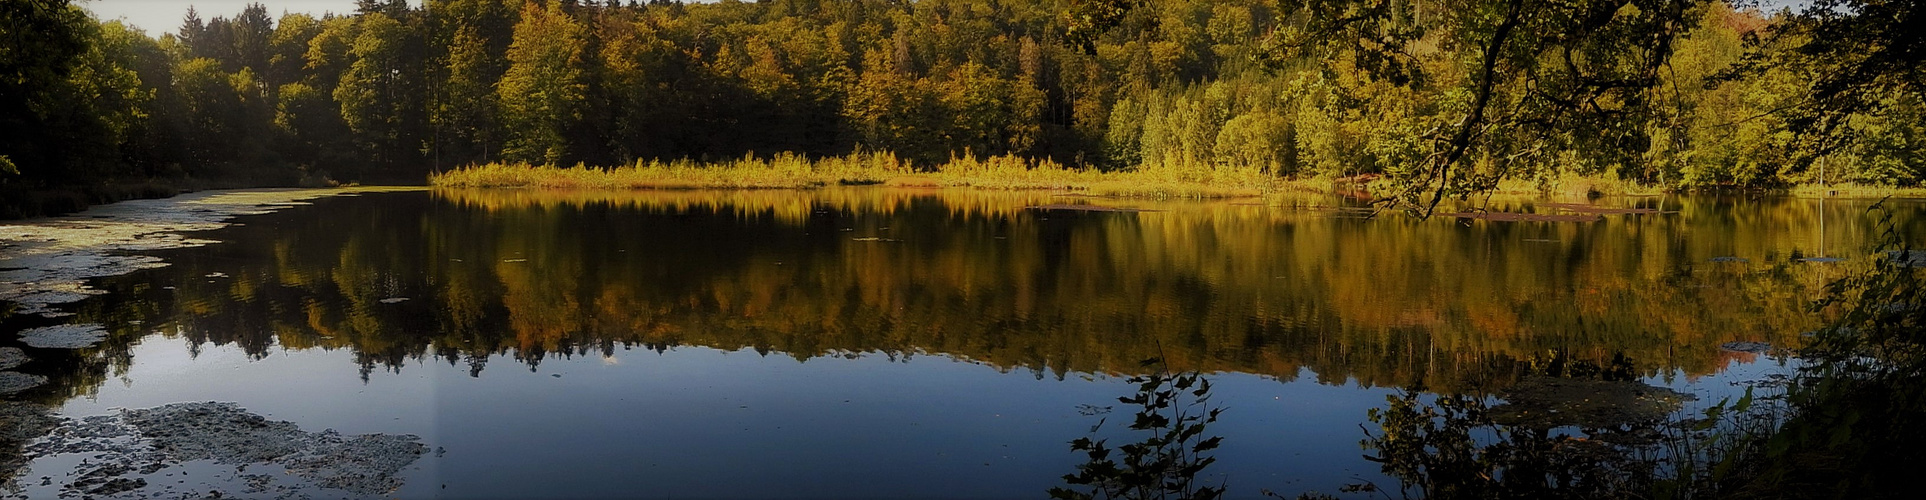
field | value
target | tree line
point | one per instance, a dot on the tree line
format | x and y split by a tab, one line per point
1682	93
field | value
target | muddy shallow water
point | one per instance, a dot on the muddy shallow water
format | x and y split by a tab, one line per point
879	342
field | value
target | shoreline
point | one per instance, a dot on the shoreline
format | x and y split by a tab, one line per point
788	171
1011	173
49	260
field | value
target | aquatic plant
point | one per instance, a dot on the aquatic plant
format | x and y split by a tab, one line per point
1855	410
791	171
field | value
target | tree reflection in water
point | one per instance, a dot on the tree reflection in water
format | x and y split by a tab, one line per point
1172	412
1207	287
1603	444
974	274
1847	424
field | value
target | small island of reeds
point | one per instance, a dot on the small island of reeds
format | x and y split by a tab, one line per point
792	171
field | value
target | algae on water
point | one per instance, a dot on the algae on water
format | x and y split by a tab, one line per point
76	336
12	382
144	452
12	357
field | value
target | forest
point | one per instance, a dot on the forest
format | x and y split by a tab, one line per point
1674	95
1393	103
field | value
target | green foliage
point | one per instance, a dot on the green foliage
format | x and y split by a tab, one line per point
466	115
1882	324
1855	408
1853	59
378	93
1494	89
1442	99
543	92
311	128
288	48
46	50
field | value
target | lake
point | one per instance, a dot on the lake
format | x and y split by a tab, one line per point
891	342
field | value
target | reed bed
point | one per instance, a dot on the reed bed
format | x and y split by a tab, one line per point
790	171
782	171
1854	190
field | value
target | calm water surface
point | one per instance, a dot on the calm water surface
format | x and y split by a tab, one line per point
875	342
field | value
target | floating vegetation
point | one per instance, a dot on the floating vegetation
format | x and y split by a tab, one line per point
12	382
20	423
64	336
131	447
12	357
1548	402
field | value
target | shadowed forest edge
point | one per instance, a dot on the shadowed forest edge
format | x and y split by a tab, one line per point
1431	100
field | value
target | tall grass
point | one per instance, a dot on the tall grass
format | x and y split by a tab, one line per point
794	171
782	171
1853	190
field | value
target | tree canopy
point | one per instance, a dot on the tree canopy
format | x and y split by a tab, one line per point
1445	97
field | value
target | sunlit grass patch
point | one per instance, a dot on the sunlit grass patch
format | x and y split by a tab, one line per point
782	171
1577	186
1857	191
790	171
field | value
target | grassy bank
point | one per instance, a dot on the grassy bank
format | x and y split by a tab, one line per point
1857	191
790	171
793	171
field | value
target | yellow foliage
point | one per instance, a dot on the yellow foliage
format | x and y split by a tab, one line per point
790	171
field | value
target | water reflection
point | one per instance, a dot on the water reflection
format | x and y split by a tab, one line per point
1167	447
976	275
568	284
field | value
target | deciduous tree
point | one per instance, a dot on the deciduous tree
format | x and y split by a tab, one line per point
543	92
